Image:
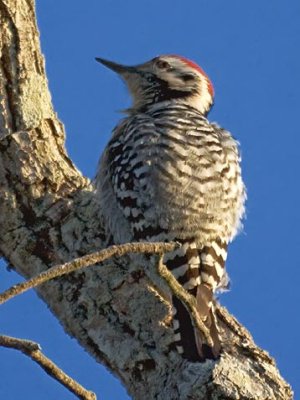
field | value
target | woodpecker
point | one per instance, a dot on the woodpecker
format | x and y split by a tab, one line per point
168	174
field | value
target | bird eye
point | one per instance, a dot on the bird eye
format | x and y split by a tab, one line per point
163	65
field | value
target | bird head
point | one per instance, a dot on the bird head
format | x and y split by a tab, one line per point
166	78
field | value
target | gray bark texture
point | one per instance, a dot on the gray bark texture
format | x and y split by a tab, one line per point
49	215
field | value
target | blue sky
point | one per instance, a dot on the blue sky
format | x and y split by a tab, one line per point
251	52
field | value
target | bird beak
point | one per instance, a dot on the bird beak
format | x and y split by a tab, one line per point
118	68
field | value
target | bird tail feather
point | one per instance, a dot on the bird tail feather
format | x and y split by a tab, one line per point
199	272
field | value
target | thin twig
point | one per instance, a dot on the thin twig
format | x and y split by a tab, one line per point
83	262
33	350
187	299
117	250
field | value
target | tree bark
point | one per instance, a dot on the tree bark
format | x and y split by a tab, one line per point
49	215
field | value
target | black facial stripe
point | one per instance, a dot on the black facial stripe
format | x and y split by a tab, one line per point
187	77
159	89
164	92
168	94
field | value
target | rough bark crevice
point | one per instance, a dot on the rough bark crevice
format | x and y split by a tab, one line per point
49	215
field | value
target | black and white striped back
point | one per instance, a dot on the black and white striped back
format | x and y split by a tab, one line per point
168	174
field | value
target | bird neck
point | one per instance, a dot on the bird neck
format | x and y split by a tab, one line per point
175	104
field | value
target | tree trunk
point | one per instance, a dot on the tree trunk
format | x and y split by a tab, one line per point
49	215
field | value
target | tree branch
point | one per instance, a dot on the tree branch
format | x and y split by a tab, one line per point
100	256
33	350
85	261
